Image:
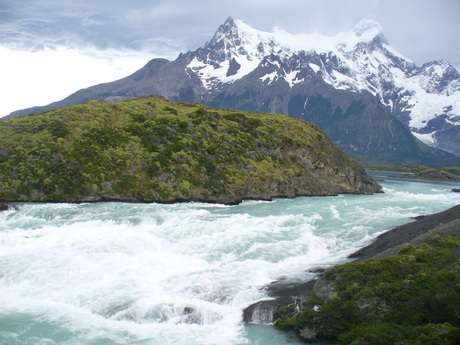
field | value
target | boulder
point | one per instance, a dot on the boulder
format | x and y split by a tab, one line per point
5	207
283	293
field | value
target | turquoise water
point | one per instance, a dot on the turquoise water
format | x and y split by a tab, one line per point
119	273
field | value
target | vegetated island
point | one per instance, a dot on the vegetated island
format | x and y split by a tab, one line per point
153	150
403	289
422	172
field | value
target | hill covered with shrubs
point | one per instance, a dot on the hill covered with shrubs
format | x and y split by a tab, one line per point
153	150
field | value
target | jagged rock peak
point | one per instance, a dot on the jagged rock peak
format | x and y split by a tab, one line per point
439	66
234	38
229	24
235	33
229	28
236	30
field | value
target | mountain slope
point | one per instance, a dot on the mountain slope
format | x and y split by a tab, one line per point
426	99
355	122
243	68
153	150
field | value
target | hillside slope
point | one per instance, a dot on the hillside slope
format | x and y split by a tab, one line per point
153	150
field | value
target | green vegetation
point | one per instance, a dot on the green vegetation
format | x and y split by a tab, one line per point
150	149
412	298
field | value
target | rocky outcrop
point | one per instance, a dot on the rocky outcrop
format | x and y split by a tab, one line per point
281	293
390	242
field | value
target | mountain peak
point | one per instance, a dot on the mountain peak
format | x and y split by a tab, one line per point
234	39
229	23
369	30
236	33
227	30
232	29
239	42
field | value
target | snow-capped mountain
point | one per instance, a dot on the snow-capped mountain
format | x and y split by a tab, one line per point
363	94
426	99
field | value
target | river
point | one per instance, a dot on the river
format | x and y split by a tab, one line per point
128	273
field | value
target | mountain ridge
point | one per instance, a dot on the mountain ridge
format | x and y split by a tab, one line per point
275	67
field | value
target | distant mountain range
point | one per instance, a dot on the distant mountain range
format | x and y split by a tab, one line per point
372	102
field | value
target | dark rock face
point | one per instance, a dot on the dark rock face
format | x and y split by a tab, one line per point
356	122
233	68
263	312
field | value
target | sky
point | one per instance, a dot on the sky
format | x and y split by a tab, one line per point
52	48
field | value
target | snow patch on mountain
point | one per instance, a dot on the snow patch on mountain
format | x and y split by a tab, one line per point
314	67
212	75
428	139
427	100
269	78
292	78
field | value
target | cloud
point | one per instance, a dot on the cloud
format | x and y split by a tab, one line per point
106	30
166	27
46	76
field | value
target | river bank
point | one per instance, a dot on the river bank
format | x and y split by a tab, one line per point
388	244
450	174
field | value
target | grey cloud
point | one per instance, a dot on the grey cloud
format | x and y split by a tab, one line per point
138	25
421	30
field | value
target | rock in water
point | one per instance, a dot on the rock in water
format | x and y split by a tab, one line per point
5	207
